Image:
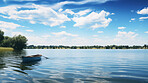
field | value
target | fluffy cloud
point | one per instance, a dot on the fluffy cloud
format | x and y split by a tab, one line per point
45	15
94	40
80	13
95	35
132	19
143	11
60	4
146	32
84	12
96	20
143	18
121	27
129	34
30	30
34	14
34	40
16	33
62	26
100	31
69	11
9	25
125	36
46	36
112	13
64	33
18	0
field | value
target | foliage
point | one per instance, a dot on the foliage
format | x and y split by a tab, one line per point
88	47
17	42
7	42
1	36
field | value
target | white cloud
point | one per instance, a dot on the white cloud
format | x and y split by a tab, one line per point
112	13
80	13
69	11
60	10
18	0
146	32
60	4
100	31
16	33
32	22
45	15
96	20
4	29
37	40
143	11
46	36
96	26
30	30
83	12
95	35
94	40
121	27
132	18
9	25
62	26
125	35
63	33
125	38
143	18
38	14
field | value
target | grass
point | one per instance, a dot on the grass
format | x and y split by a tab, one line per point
6	49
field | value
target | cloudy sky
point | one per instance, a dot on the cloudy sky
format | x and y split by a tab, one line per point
76	22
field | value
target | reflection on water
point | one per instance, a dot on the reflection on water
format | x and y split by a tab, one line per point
29	66
75	66
12	69
2	64
14	59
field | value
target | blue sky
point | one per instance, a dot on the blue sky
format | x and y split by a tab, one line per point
76	22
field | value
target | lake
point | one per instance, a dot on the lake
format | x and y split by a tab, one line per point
75	66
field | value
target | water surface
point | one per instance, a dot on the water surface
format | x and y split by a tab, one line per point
75	66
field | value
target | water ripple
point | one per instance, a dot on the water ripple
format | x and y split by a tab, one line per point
76	66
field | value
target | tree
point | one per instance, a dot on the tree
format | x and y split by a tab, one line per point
145	46
1	36
19	42
7	42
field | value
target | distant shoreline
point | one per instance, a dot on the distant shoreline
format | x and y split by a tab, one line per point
80	49
88	47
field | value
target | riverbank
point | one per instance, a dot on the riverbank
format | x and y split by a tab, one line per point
6	49
87	47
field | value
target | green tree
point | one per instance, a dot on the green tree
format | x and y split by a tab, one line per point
19	42
1	36
7	42
145	46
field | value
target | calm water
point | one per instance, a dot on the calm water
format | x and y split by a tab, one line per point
76	66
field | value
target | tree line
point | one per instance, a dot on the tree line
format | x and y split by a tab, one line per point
16	42
88	47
